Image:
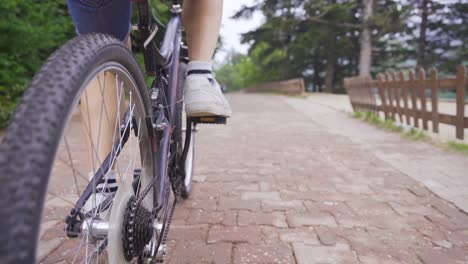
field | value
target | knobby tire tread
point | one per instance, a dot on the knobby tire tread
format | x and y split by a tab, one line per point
31	140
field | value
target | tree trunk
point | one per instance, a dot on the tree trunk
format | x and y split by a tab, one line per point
329	75
422	42
316	77
365	40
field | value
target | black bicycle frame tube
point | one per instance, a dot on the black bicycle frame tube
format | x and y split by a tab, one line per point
172	40
168	46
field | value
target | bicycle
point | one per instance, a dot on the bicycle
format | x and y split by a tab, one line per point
150	152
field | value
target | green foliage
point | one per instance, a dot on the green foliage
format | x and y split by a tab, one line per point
457	147
320	39
374	119
389	125
358	115
242	71
415	134
31	31
239	73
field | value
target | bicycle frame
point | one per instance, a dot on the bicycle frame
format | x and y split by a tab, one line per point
165	58
156	59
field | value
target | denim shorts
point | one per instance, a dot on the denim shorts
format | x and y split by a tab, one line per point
103	16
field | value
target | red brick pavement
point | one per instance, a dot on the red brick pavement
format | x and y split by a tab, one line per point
276	187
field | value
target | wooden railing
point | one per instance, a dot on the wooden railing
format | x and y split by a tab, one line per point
413	98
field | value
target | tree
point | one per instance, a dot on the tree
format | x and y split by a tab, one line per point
365	40
320	37
31	31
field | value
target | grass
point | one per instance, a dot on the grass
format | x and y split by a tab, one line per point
415	134
412	134
457	146
375	120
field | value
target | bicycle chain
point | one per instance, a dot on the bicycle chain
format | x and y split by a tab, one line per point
136	203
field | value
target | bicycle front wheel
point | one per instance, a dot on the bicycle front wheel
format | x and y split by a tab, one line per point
81	136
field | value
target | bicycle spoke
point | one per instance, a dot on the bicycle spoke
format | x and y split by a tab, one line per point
73	167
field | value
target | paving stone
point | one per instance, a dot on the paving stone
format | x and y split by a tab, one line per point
226	203
199	216
188	232
47	225
205	191
260	196
278	254
234	234
46	247
180	215
371	258
369	207
266	186
247	187
198	252
275	205
58	202
442	243
271	234
310	219
434	256
207	204
256	218
326	235
363	188
425	209
230	218
459	238
335	208
303	235
396	245
307	254
354	188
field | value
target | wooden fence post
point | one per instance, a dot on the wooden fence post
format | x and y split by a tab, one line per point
388	85
422	90
404	87
348	91
461	86
396	90
358	83
434	84
381	88
370	95
373	99
414	103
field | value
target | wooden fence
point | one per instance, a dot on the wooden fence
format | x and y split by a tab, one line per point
413	97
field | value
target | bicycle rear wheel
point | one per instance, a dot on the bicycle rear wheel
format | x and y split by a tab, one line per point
52	149
183	138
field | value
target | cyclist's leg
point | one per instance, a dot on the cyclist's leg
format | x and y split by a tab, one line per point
99	123
202	21
98	109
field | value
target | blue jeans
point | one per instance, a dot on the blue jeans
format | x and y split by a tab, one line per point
104	16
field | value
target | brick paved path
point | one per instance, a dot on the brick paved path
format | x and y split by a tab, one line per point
276	186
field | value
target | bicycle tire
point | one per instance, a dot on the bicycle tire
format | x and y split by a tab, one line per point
183	184
33	136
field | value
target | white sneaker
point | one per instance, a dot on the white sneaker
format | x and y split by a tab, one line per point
203	96
104	189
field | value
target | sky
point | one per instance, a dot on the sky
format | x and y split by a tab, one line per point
231	29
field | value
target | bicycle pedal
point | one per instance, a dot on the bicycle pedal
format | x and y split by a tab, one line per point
214	120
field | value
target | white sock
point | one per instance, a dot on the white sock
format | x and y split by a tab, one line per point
203	68
107	184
